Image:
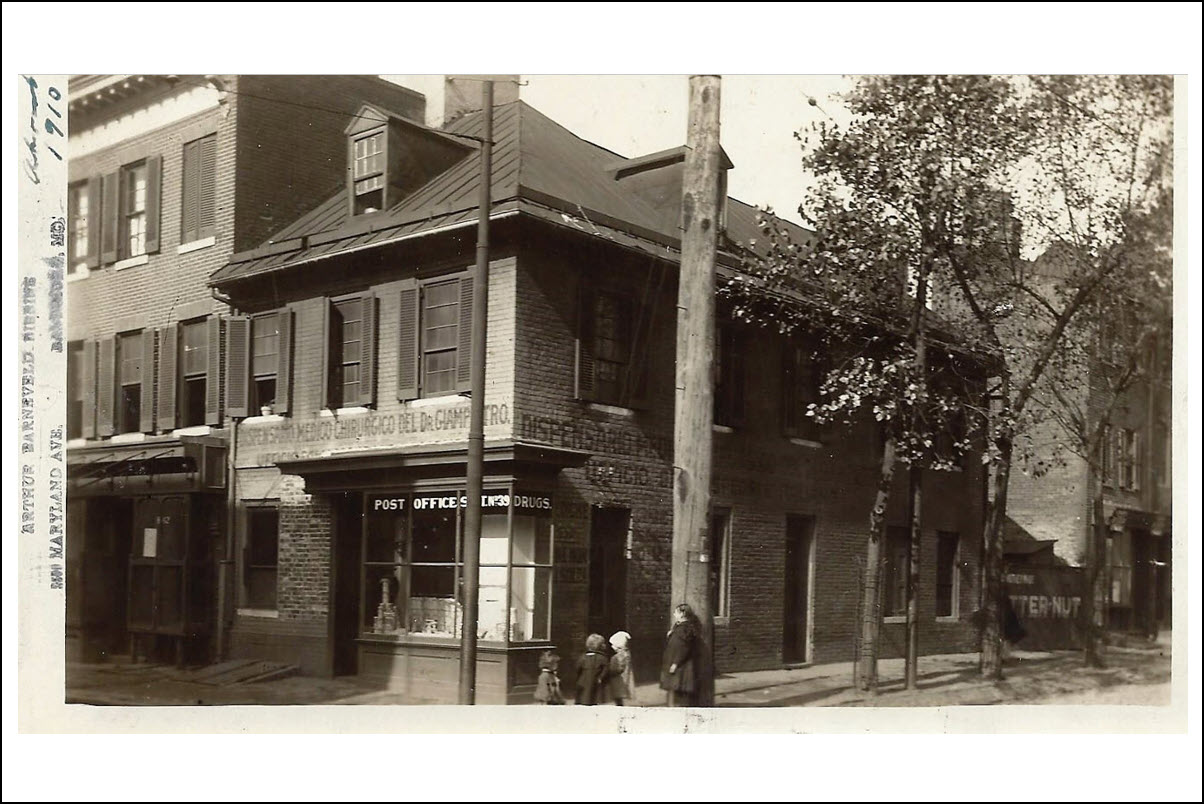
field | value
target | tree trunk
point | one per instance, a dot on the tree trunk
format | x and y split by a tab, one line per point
1095	552
911	665
866	670
991	662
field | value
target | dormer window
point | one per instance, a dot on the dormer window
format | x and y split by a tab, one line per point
369	172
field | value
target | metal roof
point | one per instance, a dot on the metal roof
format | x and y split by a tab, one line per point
539	167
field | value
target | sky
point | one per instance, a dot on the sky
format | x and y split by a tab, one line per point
758	117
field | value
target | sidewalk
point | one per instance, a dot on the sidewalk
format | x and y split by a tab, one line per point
1133	675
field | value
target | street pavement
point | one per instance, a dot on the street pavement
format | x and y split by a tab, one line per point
1138	675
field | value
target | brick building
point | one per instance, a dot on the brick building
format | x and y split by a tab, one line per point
353	319
168	177
1050	518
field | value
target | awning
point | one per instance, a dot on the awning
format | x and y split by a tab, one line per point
382	468
182	463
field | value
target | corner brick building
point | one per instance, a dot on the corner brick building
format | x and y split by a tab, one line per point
345	418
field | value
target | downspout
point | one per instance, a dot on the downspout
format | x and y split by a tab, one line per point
225	576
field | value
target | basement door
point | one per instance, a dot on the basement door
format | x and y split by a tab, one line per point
796	619
608	570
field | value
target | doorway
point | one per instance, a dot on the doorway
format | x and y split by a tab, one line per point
796	619
608	570
346	562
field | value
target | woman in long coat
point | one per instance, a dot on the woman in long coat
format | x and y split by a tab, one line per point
678	672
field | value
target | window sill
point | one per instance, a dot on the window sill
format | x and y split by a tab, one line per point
353	411
434	401
127	438
895	619
141	259
952	618
199	430
806	442
261	419
722	428
196	245
73	443
614	409
81	271
266	614
723	622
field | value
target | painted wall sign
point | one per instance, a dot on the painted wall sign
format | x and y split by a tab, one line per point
491	500
1048	602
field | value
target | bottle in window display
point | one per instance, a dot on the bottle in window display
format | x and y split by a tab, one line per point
385	621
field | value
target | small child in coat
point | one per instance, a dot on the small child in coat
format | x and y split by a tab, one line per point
591	671
621	678
547	688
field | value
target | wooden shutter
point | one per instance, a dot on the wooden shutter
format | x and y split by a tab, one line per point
106	387
1138	463
238	369
367	349
637	382
738	347
207	187
213	374
284	363
89	380
189	197
407	343
331	353
110	212
790	425
154	180
464	337
585	345
168	377
93	192
146	407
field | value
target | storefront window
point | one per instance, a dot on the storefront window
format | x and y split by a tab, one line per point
413	565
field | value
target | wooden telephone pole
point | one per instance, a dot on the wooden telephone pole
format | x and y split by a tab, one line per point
694	414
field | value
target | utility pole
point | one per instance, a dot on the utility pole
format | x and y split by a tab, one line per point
694	414
915	484
476	416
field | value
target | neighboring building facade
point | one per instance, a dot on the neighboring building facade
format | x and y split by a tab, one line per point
169	176
1050	518
354	319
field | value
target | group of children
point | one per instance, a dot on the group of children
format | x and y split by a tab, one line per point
600	678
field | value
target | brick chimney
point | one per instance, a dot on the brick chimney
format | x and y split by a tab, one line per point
462	93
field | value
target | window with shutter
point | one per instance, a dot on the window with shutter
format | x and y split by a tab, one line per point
802	375
351	351
238	358
106	371
110	212
198	197
147	405
193	372
265	362
440	337
407	344
134	190
729	375
169	340
213	372
76	381
79	213
129	363
608	370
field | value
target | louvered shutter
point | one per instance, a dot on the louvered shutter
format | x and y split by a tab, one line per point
168	377
189	201
1138	463
106	387
738	349
637	382
367	350
464	339
110	212
238	369
585	346
146	407
154	182
790	425
92	228
89	415
331	356
284	363
213	374
207	188
407	343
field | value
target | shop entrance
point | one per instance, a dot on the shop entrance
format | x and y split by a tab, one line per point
608	570
796	618
345	584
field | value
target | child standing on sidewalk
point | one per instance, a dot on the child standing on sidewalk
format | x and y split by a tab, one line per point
621	678
591	671
547	688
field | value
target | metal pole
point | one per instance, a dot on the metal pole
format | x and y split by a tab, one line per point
225	578
694	415
476	421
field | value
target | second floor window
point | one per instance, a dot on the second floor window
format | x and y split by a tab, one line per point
611	368
198	198
76	380
802	376
351	352
729	375
82	217
129	383
265	361
194	372
440	337
435	338
134	209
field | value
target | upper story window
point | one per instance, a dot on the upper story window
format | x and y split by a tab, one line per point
76	382
440	337
258	360
83	202
1129	458
265	361
729	374
194	373
368	172
129	382
133	209
1107	457
198	197
351	352
610	368
435	331
802	377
